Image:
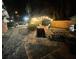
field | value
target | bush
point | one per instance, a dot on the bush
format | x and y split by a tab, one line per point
32	27
10	24
45	22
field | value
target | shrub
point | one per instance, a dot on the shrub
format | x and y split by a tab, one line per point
32	27
45	22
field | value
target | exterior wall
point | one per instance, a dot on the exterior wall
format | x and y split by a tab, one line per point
61	24
4	27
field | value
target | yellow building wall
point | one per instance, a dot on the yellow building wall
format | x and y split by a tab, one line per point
61	24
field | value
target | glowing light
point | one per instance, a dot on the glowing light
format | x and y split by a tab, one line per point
11	20
26	18
72	28
35	21
16	12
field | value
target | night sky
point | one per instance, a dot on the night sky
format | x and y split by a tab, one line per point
60	8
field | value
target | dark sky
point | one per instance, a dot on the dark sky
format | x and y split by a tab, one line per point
61	8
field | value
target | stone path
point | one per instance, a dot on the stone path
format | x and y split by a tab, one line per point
12	46
25	45
38	48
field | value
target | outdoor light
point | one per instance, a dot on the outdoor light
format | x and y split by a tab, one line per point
11	20
25	18
72	28
16	12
